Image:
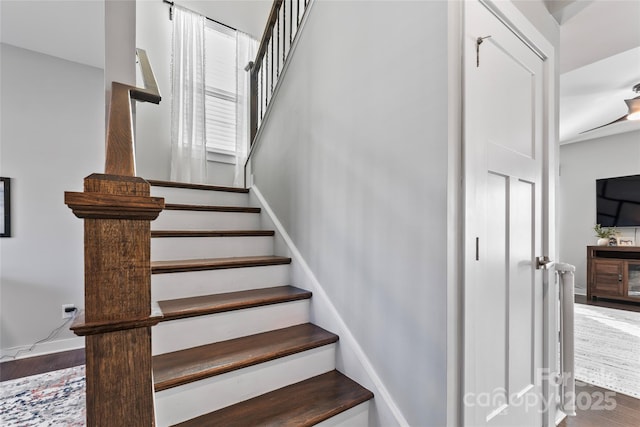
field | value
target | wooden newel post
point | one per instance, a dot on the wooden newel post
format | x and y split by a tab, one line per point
117	319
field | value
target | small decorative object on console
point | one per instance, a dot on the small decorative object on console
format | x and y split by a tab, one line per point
605	235
626	241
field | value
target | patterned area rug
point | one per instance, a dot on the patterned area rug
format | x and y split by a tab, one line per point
51	399
607	348
607	352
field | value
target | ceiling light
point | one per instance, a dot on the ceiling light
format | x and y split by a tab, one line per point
633	113
634	108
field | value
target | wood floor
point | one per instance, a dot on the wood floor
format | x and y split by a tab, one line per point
40	364
625	414
628	306
627	410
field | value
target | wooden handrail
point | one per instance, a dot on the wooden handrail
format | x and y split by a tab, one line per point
271	59
150	93
268	33
254	69
120	146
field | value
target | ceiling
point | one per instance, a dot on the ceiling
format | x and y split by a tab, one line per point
249	16
599	56
75	29
599	64
68	29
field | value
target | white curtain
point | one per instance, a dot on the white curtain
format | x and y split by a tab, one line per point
245	51
188	142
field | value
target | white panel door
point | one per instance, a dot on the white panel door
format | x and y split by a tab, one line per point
503	90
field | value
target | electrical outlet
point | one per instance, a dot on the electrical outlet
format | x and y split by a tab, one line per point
68	310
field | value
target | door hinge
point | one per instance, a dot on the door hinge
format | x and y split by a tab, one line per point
477	249
479	41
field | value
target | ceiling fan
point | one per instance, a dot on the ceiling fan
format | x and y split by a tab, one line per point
633	105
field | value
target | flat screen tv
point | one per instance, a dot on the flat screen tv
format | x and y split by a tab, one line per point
618	201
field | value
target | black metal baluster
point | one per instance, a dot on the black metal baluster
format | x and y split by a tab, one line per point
271	81
297	14
261	87
291	20
266	79
278	47
284	30
284	33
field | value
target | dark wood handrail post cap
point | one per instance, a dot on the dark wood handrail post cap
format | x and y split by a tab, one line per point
107	206
114	197
129	182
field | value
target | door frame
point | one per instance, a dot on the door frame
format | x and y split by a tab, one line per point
517	23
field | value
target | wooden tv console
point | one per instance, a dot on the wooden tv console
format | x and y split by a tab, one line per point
613	272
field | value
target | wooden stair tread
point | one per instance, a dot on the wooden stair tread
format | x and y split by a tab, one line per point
219	303
185	366
302	404
158	183
210	208
175	266
211	233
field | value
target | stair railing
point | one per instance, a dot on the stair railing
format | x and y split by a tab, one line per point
120	149
117	210
277	40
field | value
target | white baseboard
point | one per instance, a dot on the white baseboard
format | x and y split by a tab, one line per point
351	358
21	352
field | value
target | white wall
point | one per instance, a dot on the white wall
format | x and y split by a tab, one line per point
52	135
353	160
153	122
119	44
581	163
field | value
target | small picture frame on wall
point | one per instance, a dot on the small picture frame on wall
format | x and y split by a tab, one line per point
626	241
5	207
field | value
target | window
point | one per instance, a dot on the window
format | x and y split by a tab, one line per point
220	88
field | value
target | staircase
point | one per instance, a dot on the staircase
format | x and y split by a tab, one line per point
235	346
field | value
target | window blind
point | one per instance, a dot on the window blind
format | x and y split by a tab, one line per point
220	88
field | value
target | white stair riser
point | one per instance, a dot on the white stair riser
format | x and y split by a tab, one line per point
181	403
358	416
205	220
170	248
187	196
180	334
195	283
